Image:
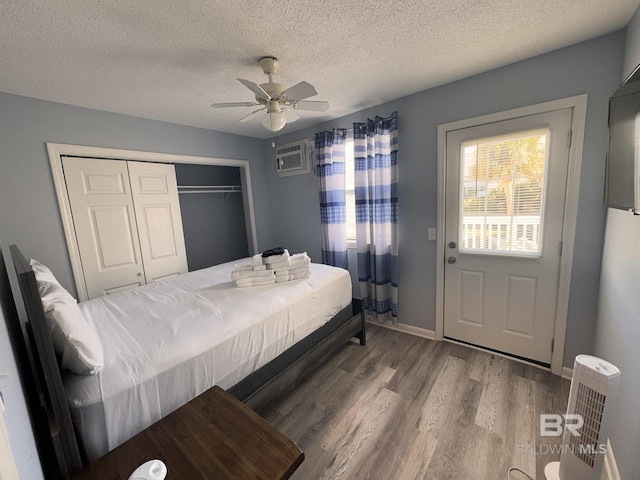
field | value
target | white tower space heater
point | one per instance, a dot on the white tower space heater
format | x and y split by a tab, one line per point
592	398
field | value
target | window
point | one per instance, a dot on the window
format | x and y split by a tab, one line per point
502	193
349	176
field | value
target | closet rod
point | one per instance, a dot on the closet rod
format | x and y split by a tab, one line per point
210	189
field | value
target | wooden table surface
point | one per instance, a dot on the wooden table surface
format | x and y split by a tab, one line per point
214	436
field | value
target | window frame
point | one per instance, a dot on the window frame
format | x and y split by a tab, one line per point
350	189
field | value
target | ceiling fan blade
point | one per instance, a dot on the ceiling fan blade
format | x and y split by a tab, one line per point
318	106
255	88
252	115
299	91
290	116
234	104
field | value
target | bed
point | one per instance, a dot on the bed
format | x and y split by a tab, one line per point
166	342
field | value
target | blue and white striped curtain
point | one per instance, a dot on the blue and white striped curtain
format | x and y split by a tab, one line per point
375	146
333	204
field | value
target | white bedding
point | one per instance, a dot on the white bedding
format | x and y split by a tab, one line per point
167	342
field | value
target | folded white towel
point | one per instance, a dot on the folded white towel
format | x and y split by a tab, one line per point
274	266
295	271
257	259
237	274
259	267
299	264
299	256
254	281
279	267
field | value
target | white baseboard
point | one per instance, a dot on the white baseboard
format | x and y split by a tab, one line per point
567	373
610	469
403	327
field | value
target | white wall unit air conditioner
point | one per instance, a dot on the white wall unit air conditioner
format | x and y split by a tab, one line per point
591	401
293	158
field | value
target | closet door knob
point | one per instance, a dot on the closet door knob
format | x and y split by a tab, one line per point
140	274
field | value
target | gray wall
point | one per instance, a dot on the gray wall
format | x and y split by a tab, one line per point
617	336
213	223
592	67
30	216
28	206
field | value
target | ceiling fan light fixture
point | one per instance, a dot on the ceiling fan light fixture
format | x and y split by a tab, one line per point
274	120
277	102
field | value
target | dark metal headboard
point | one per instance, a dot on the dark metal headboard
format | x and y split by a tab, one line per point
61	445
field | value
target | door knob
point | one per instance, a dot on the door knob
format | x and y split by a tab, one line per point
453	244
140	274
451	260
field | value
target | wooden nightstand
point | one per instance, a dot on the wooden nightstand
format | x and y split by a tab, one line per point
214	436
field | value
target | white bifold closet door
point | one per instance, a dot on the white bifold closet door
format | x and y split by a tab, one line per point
127	222
155	199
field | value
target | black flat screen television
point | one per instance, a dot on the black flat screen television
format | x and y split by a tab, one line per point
623	159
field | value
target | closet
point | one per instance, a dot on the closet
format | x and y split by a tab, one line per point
213	214
127	222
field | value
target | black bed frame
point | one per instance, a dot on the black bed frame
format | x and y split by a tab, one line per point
41	413
55	437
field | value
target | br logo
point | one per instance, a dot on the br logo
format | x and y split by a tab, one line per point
551	424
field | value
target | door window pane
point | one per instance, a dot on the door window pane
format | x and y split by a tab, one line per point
502	194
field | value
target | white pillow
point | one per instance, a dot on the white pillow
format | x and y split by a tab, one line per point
51	292
43	274
74	339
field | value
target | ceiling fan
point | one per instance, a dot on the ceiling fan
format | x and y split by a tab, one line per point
277	103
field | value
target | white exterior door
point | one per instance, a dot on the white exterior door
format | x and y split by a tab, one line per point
105	224
155	197
505	196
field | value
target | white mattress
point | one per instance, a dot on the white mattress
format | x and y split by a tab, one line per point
167	342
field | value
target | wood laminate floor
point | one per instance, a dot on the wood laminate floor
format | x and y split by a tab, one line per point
404	407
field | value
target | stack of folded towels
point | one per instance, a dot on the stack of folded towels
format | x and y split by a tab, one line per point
264	270
250	275
278	263
299	266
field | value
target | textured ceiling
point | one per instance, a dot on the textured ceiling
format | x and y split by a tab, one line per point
170	59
